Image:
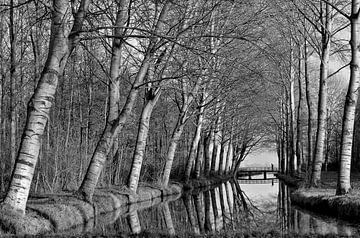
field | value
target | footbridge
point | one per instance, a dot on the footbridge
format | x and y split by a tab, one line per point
249	171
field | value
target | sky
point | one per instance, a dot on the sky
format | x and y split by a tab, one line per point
262	157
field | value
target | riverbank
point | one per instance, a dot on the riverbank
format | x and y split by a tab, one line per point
55	213
324	200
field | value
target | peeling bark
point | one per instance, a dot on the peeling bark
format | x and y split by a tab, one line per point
322	105
195	141
113	127
62	42
144	123
344	186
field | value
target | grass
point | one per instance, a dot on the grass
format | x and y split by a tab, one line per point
58	212
324	200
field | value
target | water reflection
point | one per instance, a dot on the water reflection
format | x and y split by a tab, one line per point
233	207
168	220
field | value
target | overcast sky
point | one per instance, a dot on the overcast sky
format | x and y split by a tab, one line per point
261	158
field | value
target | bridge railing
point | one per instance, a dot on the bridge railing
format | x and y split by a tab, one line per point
258	169
257	181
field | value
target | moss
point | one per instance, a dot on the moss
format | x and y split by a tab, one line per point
59	212
32	223
324	201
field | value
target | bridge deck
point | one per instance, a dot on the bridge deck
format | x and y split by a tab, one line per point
257	181
258	169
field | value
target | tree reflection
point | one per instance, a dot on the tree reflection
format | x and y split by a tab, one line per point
168	219
200	210
226	208
209	212
296	220
190	211
134	222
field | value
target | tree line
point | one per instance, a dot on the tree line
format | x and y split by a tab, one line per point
111	93
322	30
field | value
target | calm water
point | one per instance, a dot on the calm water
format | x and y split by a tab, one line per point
251	207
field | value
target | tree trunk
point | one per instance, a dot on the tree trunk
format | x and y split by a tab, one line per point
343	186
88	123
298	122
70	113
108	136
13	76
224	155
173	145
113	127
284	139
116	68
217	147
309	108
61	44
195	141
199	159
322	105
2	131
230	157
151	99
289	149
292	145
209	148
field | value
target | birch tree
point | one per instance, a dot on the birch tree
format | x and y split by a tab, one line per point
152	94
343	185
13	79
112	128
64	38
196	139
187	94
326	20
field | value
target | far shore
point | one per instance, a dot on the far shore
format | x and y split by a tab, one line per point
323	199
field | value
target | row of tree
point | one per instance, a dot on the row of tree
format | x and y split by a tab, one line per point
108	65
323	28
134	90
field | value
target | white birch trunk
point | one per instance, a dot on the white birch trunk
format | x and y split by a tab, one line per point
224	157
217	151
322	105
173	145
61	45
230	158
113	128
195	142
199	159
13	77
292	157
309	108
144	123
106	141
299	159
209	148
344	186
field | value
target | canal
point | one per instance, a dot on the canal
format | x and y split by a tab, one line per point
244	207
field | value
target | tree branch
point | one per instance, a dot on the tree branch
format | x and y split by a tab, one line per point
337	9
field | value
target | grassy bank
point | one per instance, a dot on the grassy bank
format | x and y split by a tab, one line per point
323	198
53	213
58	212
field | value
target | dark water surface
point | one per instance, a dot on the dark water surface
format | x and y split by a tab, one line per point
240	208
